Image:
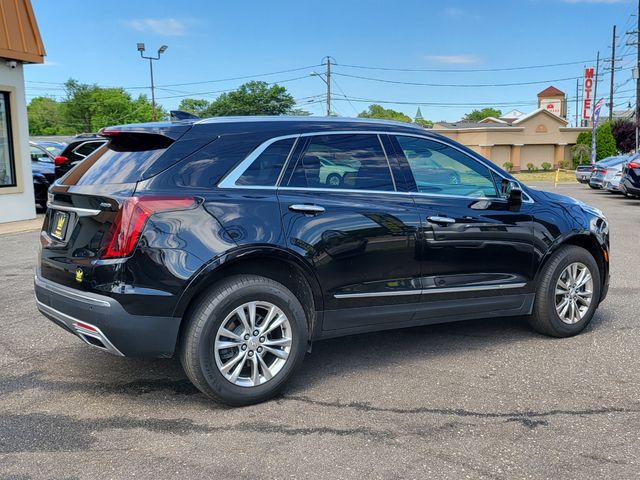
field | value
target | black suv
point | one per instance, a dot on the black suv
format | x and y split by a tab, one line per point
78	148
223	242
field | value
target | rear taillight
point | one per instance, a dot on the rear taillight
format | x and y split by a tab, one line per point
60	160
633	165
131	218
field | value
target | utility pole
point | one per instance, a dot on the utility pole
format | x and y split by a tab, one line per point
328	58
577	99
613	68
638	81
636	75
595	87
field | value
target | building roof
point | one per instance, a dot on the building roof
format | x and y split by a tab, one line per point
540	111
19	35
462	124
551	92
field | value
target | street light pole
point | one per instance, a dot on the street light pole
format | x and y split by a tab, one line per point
161	50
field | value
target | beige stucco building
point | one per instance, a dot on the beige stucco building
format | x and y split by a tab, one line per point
20	43
535	138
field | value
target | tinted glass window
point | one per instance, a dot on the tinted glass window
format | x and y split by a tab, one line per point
440	169
265	170
87	148
343	161
7	172
39	155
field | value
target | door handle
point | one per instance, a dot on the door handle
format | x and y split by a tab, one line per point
441	220
304	208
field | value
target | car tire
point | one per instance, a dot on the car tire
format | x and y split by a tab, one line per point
202	355
334	180
593	186
546	318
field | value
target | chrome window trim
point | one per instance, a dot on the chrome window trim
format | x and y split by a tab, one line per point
430	291
230	179
237	171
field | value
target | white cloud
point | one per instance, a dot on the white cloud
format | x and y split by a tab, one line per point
456	59
453	12
162	26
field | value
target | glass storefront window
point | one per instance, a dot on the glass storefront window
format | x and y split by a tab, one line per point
7	164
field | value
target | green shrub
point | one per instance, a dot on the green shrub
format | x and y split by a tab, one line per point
564	164
508	166
531	167
546	166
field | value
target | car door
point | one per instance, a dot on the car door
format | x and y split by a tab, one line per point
477	249
357	231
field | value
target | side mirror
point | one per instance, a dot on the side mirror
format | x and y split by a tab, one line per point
512	192
515	196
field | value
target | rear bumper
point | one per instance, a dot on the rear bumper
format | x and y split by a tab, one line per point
628	187
101	322
596	181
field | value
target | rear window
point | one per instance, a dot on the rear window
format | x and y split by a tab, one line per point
122	160
265	170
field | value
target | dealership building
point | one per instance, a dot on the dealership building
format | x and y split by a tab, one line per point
536	137
20	43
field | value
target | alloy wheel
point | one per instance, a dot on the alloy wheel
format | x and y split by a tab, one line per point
253	343
574	292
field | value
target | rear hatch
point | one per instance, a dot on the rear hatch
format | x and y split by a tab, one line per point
85	206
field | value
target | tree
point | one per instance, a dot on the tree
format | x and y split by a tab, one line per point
605	143
378	111
298	112
194	106
252	98
424	123
45	117
624	132
477	115
581	154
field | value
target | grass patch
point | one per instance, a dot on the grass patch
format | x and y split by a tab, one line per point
529	177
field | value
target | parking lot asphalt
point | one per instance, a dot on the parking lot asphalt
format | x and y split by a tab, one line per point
477	399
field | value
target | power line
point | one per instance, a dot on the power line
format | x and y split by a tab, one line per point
466	70
455	85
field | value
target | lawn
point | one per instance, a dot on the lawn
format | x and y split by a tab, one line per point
540	176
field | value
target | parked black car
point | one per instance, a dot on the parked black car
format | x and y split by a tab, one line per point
217	240
43	172
78	148
630	182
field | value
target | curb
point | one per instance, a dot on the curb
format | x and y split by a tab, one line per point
21	225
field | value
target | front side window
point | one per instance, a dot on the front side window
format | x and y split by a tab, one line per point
39	155
349	161
440	169
265	170
7	163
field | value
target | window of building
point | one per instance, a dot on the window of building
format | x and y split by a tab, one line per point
440	169
265	170
7	158
350	161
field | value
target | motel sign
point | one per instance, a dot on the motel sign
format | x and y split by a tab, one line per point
587	101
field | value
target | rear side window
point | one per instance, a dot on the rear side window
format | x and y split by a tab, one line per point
265	170
350	161
87	148
122	160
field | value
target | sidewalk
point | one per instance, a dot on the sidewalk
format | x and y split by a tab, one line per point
22	226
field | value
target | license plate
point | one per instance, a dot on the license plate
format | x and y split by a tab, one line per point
59	225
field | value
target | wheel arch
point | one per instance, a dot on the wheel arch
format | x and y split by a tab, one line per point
270	262
589	242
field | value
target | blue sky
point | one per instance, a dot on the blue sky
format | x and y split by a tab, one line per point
210	41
